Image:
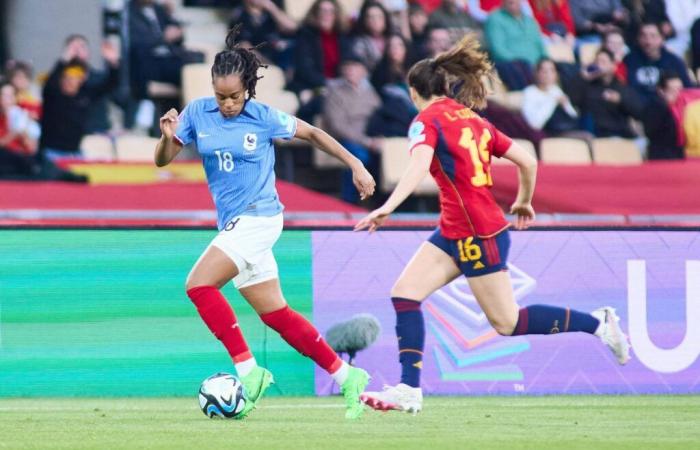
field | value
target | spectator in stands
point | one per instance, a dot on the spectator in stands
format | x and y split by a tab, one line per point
554	18
455	19
597	17
19	135
418	22
647	11
19	74
67	99
645	63
77	48
609	104
393	67
515	44
614	42
682	14
319	44
264	22
389	79
371	32
547	108
438	41
156	48
480	9
349	103
662	128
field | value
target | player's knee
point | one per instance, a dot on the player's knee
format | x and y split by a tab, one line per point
405	290
503	325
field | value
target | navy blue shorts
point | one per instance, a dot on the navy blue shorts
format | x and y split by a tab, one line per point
475	256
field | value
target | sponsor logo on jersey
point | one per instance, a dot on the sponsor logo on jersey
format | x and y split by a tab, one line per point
250	141
416	134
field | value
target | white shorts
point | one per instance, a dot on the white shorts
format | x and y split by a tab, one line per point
249	245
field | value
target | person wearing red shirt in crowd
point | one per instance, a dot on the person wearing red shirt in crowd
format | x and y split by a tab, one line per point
454	144
554	18
18	137
19	74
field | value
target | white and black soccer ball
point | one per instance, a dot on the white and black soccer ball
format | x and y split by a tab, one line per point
222	395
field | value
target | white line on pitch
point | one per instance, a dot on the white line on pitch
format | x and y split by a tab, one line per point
116	408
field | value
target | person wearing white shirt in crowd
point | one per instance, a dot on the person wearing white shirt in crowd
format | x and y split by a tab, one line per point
682	13
546	107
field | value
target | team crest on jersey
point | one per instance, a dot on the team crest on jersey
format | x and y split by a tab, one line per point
416	134
250	141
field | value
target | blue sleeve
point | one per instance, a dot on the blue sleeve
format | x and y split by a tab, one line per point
185	132
282	125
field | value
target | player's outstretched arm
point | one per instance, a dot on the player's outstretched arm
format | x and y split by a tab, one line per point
418	167
364	182
168	147
527	174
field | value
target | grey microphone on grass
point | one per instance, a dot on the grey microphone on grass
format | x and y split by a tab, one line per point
353	335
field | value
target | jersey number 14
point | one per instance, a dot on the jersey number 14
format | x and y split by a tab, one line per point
479	155
225	160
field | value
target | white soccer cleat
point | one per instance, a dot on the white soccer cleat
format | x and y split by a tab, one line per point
401	397
611	334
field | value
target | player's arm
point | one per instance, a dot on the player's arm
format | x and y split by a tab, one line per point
168	147
418	167
527	174
364	182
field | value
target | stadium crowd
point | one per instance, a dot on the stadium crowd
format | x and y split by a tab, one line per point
580	69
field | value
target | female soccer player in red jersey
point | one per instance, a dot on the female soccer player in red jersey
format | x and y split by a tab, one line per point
234	135
456	145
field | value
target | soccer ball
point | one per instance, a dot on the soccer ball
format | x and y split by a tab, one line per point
222	395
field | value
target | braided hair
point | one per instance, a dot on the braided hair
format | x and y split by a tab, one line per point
236	60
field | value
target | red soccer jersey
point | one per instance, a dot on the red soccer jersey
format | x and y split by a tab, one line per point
464	143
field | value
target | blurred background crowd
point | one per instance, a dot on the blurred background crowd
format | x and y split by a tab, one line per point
578	81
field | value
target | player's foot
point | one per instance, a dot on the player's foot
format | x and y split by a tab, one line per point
354	385
401	397
255	384
611	334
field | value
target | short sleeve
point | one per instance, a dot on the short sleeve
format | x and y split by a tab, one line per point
282	125
185	132
422	133
500	142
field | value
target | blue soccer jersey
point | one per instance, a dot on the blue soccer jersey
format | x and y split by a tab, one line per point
238	155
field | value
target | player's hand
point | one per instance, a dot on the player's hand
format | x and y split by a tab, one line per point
373	220
525	214
168	123
363	181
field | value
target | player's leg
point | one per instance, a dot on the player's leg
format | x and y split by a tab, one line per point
264	294
210	273
494	293
429	269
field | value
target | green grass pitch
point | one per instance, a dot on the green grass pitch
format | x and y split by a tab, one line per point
590	422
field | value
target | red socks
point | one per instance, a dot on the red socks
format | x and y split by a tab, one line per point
303	336
219	317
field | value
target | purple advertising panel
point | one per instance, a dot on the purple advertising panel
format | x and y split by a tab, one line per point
652	279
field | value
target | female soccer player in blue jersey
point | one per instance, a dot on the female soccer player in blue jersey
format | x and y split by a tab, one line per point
234	135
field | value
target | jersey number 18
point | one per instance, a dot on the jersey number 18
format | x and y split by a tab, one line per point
225	160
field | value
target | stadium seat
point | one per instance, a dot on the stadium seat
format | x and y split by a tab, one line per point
196	82
616	151
587	52
133	148
564	151
394	160
561	52
283	100
272	78
97	147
